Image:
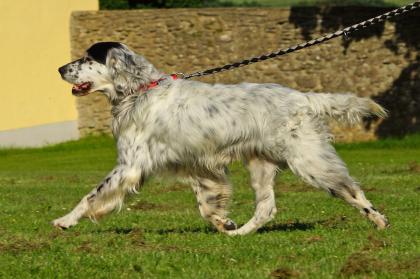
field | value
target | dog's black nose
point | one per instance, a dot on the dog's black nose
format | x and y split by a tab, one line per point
62	70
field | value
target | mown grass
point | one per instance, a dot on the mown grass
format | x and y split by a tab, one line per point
159	233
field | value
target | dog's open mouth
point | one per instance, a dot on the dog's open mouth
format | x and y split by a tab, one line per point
81	89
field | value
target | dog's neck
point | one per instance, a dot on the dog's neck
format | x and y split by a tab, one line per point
122	106
122	110
134	86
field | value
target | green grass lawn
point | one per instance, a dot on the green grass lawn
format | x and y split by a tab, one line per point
159	233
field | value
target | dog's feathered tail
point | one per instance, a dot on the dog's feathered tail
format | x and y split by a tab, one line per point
344	107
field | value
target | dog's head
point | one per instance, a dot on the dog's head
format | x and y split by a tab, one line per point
108	67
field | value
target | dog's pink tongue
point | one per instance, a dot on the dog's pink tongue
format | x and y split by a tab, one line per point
75	88
81	87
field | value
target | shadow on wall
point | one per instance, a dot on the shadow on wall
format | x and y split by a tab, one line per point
402	99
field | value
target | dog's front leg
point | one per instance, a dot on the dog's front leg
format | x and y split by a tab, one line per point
107	196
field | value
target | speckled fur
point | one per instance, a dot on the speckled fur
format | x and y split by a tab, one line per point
199	128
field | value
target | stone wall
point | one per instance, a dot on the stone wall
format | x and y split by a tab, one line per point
381	62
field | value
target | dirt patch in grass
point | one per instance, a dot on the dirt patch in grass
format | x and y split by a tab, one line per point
133	237
369	189
11	181
173	186
47	178
284	273
59	233
177	187
74	179
70	178
86	247
145	205
414	167
375	244
313	239
361	263
18	245
298	186
334	222
406	266
136	236
136	239
364	262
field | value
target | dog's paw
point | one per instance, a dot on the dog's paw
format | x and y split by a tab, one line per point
229	225
64	222
233	232
379	220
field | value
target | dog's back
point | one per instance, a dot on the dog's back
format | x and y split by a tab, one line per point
236	120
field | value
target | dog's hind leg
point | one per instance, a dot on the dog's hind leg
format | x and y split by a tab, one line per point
213	195
107	196
262	181
316	161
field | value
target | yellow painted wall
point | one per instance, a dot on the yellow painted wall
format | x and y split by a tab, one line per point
34	42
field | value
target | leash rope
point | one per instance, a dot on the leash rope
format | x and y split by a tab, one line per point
343	32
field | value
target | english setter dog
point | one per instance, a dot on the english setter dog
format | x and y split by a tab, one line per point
161	122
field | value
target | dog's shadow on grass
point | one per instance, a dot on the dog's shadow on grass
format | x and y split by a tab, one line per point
289	226
277	227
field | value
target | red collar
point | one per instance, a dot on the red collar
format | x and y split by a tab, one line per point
146	87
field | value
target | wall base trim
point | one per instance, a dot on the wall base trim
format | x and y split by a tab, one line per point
40	135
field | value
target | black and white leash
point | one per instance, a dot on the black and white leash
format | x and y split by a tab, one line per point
343	32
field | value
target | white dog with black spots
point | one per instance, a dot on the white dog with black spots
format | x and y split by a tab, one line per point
161	122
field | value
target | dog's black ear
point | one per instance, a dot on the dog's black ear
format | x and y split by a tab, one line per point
127	69
99	51
119	60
